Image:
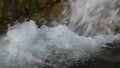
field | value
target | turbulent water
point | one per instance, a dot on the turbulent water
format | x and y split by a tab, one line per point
87	35
93	17
28	46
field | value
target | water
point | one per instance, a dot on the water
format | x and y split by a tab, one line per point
28	46
82	38
93	17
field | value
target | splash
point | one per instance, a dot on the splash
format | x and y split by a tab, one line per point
93	17
88	34
27	46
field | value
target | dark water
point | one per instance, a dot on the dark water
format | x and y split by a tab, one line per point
97	63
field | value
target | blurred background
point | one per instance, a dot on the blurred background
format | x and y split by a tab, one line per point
38	10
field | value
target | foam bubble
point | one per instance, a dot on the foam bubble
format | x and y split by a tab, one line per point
26	45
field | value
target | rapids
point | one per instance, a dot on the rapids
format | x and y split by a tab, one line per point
27	46
87	31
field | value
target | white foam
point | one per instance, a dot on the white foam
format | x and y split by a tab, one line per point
26	45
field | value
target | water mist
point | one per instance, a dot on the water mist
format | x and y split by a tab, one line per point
88	34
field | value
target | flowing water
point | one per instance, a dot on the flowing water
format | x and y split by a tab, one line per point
87	33
93	17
